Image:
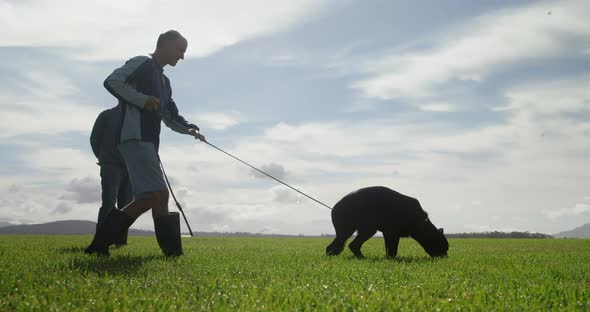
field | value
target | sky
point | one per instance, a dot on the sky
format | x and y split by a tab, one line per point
479	109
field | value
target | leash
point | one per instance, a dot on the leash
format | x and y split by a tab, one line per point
243	162
268	175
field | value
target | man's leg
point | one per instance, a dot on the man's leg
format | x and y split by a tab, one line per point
142	163
157	201
161	209
166	224
109	182
147	180
124	197
108	231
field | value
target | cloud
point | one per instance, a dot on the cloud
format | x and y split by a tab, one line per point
62	208
215	121
577	209
551	97
41	105
83	190
490	228
272	169
64	163
283	195
208	25
37	203
269	230
478	48
221	228
438	107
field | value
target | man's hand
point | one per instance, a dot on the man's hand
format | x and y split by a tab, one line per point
197	135
151	104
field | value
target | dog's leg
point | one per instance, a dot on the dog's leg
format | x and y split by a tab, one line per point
391	244
342	234
362	236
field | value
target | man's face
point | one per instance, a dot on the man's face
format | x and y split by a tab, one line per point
175	50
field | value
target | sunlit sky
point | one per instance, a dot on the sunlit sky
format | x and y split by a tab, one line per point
480	109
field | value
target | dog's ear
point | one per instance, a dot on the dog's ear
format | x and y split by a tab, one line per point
441	230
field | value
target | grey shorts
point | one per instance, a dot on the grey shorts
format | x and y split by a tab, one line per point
143	167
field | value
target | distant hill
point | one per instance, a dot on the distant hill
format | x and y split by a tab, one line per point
82	227
579	232
62	227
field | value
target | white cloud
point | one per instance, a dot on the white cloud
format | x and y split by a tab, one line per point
61	164
569	95
109	29
83	190
269	230
438	107
221	228
478	48
34	203
577	209
284	195
62	208
489	228
272	169
214	120
43	106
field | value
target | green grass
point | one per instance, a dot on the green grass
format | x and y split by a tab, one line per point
276	274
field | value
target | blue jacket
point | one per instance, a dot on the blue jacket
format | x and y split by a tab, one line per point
132	83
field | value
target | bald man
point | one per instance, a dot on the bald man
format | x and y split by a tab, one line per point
145	95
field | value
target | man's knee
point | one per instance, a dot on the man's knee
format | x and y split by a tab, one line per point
162	196
153	195
161	204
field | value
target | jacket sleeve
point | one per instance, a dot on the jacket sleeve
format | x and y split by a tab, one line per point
173	120
96	134
170	116
118	84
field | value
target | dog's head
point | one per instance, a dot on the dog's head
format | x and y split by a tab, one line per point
432	239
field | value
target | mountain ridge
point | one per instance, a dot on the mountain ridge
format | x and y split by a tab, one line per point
63	227
84	227
582	231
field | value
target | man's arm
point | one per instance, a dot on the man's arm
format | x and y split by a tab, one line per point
118	85
177	123
96	134
173	120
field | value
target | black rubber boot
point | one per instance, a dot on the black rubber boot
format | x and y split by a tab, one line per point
107	232
122	240
168	234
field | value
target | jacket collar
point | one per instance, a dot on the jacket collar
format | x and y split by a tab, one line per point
156	64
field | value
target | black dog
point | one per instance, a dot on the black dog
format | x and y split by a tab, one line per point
379	208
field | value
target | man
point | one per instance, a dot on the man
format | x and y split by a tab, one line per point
113	174
146	98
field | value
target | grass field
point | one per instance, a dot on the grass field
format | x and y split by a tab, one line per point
283	274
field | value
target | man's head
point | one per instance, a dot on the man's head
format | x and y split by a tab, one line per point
170	48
